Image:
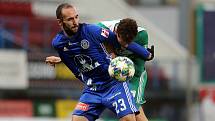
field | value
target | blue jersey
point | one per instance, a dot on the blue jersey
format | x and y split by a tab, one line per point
85	55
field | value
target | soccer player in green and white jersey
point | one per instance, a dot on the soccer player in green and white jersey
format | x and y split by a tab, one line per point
138	82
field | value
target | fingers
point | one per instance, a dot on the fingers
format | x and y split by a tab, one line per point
151	50
51	60
50	63
152	47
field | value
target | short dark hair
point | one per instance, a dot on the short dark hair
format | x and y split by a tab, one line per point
59	9
127	29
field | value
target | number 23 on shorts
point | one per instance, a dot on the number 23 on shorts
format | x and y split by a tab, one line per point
119	105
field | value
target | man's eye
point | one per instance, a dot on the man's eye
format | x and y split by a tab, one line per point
70	19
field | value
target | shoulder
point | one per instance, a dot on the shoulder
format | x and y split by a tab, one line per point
142	37
109	24
141	29
91	27
99	32
93	30
102	25
142	32
58	39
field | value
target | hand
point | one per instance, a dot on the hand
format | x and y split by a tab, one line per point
151	56
113	55
52	60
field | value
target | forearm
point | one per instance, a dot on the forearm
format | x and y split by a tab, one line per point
139	50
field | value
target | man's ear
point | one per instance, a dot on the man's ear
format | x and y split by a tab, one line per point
59	21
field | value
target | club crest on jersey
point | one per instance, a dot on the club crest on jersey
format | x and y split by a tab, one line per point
85	44
105	33
82	106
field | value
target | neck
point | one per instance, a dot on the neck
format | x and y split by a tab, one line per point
65	33
68	32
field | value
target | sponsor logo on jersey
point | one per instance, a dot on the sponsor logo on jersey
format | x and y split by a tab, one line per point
85	44
105	33
114	95
82	106
85	63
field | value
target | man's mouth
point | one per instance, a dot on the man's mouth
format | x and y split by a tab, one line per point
74	27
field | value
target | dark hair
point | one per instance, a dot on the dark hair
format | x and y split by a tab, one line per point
59	9
127	29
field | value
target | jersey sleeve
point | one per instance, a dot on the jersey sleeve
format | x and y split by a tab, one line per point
57	41
139	50
103	35
109	47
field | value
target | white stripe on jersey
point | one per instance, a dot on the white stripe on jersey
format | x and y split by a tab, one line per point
104	49
140	29
140	90
129	97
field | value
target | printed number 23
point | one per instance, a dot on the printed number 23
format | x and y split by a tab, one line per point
119	105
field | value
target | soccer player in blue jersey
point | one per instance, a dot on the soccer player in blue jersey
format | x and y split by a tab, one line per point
80	48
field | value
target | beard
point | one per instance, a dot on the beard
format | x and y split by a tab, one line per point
68	30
